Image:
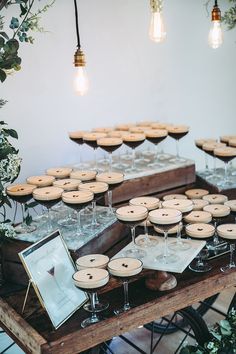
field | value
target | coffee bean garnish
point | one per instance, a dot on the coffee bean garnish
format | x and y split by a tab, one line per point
65	183
130	211
124	265
176	204
90	276
216	208
40	180
47	193
199	229
230	230
92	259
165	214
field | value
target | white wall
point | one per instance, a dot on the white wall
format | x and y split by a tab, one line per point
132	78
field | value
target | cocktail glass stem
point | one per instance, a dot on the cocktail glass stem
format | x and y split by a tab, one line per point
226	175
146	229
232	251
177	149
133	160
24	214
200	260
206	163
80	155
94	211
92	298
109	197
49	221
126	295
133	234
110	161
216	240
95	159
79	230
165	245
179	235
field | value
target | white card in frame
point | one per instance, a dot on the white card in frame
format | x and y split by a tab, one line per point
50	268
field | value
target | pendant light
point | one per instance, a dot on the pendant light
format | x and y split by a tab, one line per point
81	83
157	31
215	38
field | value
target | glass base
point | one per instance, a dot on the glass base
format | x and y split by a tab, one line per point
200	268
146	241
180	245
25	229
122	309
155	164
228	267
99	307
135	253
68	222
89	321
178	159
169	259
219	246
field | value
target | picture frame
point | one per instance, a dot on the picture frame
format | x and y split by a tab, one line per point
50	268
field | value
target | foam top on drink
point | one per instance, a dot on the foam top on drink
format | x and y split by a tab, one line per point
227	231
125	266
59	172
215	198
149	202
132	213
92	261
217	210
183	205
110	177
198	216
47	193
95	187
196	193
200	230
20	189
156	133
165	216
198	204
77	197
67	184
231	204
91	278
41	181
83	175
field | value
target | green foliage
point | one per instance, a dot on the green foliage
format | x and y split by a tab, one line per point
223	338
18	31
229	17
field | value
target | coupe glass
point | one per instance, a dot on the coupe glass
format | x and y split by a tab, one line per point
200	231
48	197
209	149
124	269
91	140
93	261
231	264
151	203
133	140
99	189
132	216
22	193
155	136
114	180
91	280
77	137
177	132
232	205
165	219
77	200
184	206
199	144
67	184
218	212
110	145
225	154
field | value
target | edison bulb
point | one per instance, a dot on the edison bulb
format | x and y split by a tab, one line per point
81	83
157	31
215	38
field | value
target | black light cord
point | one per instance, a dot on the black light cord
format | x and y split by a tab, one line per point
216	4
77	24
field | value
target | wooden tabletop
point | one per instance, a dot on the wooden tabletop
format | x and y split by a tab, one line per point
34	333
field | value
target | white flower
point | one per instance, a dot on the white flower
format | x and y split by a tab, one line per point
7	230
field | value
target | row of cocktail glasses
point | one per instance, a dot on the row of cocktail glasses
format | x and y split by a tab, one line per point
77	192
201	216
225	151
132	137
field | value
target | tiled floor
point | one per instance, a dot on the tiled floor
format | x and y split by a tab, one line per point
141	336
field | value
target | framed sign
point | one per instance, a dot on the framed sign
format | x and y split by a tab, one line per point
50	269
